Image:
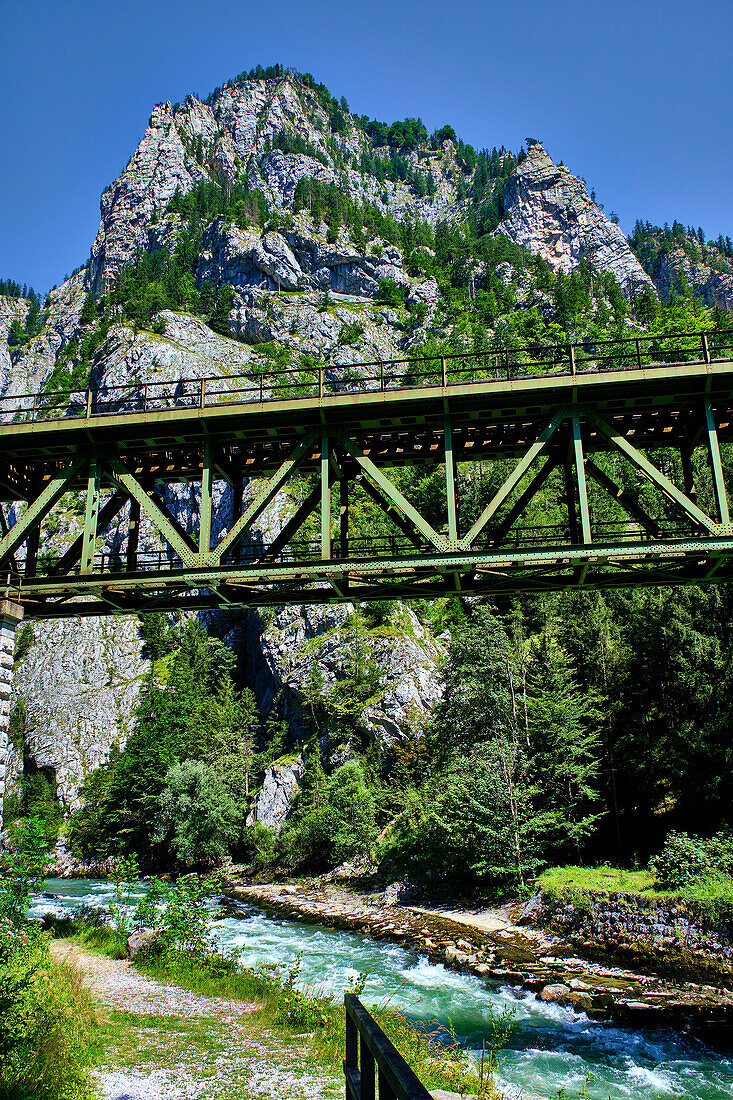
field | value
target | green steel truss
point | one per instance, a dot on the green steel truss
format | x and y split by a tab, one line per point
335	447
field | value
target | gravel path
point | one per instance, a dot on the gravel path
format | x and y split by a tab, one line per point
226	1059
117	984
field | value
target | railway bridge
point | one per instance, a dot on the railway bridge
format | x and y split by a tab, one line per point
659	405
331	441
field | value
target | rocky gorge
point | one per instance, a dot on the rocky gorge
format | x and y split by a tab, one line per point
279	277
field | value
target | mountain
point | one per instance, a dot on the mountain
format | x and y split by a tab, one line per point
386	240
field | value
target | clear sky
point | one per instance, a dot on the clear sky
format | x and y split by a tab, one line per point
633	95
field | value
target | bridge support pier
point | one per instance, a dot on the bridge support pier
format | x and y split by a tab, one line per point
10	615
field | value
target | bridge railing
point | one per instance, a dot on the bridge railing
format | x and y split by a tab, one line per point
260	385
373	1066
370	546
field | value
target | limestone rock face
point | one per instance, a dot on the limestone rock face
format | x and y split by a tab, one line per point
80	680
297	259
26	369
159	167
716	287
549	211
299	640
275	799
232	136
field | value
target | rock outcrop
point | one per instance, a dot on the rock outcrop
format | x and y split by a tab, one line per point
80	680
715	287
274	800
549	211
303	645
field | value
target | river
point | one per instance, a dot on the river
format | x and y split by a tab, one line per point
552	1046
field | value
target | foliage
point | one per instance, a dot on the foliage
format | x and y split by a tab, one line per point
606	878
158	637
124	876
336	818
179	912
26	863
198	818
514	750
686	859
22	332
47	1020
23	641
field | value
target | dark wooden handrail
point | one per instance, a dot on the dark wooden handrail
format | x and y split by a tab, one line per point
373	1061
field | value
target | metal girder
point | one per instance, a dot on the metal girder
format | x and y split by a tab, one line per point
207	487
91	515
390	490
262	498
513	480
108	511
38	508
166	524
626	499
325	500
656	476
385	503
262	585
721	497
516	510
450	485
349	439
580	475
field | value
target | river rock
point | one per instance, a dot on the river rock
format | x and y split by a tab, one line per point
555	993
146	937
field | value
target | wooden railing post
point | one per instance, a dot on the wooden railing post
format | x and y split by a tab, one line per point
320	383
202	398
572	359
443	371
89	404
378	1059
705	348
366	1070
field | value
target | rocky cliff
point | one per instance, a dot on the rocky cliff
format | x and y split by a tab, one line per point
549	211
300	285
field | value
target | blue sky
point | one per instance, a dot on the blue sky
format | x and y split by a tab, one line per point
634	95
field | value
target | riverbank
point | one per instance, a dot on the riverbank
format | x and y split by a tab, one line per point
491	945
552	1047
164	1042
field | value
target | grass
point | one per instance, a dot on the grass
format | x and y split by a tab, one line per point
302	1026
51	1031
230	1059
593	879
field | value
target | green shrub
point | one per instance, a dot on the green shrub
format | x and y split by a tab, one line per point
26	865
391	293
711	898
197	816
47	1020
686	859
24	641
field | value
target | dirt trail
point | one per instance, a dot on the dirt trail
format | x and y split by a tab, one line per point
172	1044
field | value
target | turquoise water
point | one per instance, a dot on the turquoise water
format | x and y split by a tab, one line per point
553	1047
